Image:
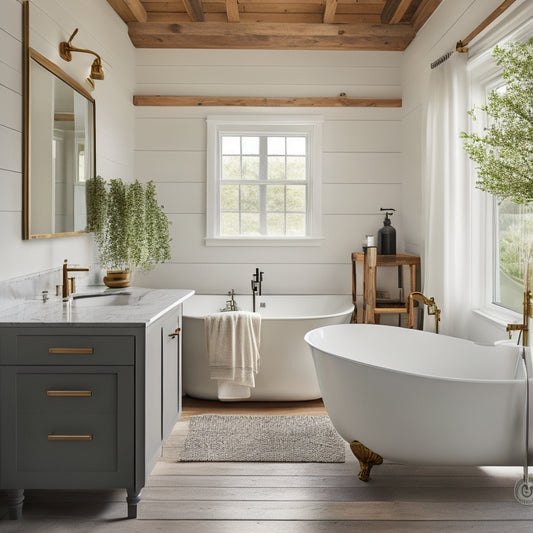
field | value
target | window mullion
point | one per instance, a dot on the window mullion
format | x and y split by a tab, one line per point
263	169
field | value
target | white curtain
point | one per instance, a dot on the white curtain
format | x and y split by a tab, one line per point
446	190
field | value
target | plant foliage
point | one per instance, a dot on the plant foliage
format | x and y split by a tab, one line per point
130	228
503	152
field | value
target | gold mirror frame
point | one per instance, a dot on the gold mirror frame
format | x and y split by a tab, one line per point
31	55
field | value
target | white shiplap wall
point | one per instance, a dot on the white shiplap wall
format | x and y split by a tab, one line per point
361	160
53	21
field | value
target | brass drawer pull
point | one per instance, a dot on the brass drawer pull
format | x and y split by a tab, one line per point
175	334
69	393
86	351
70	437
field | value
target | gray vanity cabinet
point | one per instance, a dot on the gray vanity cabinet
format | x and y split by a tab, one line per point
85	407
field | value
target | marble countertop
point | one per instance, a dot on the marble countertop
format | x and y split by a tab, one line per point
99	306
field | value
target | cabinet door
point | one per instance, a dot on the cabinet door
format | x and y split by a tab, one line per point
171	368
153	386
163	383
67	427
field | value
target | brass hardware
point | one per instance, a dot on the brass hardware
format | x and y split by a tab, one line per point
366	457
175	334
66	49
526	315
461	47
69	393
60	350
68	282
433	310
69	437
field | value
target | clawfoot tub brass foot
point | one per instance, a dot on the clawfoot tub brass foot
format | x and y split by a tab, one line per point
366	457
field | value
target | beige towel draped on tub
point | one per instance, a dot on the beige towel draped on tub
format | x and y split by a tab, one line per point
233	340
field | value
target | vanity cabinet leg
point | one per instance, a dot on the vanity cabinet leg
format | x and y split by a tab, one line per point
133	499
15	497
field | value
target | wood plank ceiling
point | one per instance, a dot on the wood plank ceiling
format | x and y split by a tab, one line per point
388	25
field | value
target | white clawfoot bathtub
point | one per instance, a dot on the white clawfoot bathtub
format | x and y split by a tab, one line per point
286	370
416	397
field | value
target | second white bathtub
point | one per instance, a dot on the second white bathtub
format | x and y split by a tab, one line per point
286	370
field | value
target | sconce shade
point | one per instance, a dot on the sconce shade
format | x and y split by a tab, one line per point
97	72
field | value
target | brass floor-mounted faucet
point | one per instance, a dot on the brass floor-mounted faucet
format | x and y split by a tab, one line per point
431	305
524	326
67	281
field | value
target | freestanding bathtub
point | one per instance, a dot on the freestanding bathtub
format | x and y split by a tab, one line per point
286	370
416	397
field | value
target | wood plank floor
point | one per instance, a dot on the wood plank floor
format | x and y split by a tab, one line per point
286	497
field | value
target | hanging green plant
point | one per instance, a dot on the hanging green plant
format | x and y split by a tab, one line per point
130	228
96	208
157	228
503	152
136	238
116	254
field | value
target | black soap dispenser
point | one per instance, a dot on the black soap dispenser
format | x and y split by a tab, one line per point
387	235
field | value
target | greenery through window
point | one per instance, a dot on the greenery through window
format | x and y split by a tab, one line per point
513	232
513	237
263	186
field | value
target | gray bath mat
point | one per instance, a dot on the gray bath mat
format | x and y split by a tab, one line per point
276	439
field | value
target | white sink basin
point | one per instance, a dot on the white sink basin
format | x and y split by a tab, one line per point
104	299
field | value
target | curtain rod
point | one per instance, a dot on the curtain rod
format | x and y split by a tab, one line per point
442	59
462	46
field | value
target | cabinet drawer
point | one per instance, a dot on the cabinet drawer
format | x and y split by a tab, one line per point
61	438
27	349
54	396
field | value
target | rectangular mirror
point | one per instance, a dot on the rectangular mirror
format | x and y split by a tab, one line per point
59	147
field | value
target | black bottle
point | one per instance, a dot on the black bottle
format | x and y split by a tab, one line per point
387	235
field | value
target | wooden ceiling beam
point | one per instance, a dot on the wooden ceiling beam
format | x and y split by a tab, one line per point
394	11
424	11
194	9
329	11
252	101
232	10
129	10
271	36
255	18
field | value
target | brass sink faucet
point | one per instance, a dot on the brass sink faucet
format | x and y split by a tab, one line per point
67	281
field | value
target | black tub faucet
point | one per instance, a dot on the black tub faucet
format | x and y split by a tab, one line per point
257	279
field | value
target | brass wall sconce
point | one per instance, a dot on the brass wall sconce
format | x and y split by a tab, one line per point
66	49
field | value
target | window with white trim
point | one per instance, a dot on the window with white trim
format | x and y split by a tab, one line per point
504	229
263	176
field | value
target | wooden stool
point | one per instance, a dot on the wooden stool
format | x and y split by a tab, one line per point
372	309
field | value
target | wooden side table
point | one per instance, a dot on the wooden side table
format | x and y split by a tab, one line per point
372	309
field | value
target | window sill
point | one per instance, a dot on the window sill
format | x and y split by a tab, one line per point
499	317
264	241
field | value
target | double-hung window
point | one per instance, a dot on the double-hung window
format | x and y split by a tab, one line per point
263	183
504	229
